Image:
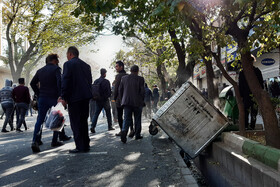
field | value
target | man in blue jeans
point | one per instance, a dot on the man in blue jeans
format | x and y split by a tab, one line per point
103	101
49	78
132	98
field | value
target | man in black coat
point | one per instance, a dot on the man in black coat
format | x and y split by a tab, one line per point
76	91
250	105
103	101
117	97
49	78
132	94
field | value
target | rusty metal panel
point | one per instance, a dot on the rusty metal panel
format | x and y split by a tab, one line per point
190	120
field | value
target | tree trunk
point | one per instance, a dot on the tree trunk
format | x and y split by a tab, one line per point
162	80
272	133
211	86
183	72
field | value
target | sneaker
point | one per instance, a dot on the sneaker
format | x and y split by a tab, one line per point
56	144
138	137
4	130
65	138
18	130
118	134
92	130
131	134
111	128
35	147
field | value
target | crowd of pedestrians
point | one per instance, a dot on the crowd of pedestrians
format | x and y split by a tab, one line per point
75	89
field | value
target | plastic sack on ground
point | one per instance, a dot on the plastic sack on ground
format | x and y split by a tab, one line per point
55	119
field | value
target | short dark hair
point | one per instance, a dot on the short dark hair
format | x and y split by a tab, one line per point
73	50
51	57
21	80
103	71
134	68
120	63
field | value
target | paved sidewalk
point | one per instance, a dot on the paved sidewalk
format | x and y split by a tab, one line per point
152	161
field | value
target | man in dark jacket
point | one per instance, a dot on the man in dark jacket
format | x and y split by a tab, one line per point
132	93
103	101
148	98
155	98
76	91
49	79
21	96
7	104
248	100
121	72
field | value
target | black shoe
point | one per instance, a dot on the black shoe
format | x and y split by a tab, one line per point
131	134
65	138
18	130
123	137
56	144
4	130
12	129
92	130
110	129
118	134
74	151
138	137
35	147
40	142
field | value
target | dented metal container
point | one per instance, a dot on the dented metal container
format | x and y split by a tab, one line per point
190	120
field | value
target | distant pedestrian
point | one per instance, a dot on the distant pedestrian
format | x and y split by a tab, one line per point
147	110
103	102
155	98
274	88
113	104
132	94
21	97
250	105
117	97
76	91
47	93
7	104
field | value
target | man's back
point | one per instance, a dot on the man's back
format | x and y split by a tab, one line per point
49	78
76	80
132	90
6	93
104	88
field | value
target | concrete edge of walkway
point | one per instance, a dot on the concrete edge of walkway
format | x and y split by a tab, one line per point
265	154
186	172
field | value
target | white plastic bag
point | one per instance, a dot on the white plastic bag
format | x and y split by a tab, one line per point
56	118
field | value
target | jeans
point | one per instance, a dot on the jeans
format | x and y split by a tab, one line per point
44	104
137	111
98	108
21	109
8	111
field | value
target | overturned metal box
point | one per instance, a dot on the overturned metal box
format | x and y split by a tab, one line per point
190	120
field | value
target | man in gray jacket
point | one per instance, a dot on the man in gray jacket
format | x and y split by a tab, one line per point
7	104
132	94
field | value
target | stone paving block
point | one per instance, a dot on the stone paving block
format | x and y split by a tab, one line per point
186	171
189	179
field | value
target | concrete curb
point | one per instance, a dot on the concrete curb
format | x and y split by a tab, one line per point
187	174
265	154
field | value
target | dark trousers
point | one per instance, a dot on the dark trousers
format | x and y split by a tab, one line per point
147	109
155	105
137	112
98	108
44	104
91	109
251	108
120	118
21	109
78	114
8	111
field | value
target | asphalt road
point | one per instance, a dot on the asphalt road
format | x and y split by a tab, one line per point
146	162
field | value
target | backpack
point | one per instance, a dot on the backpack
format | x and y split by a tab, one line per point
96	90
